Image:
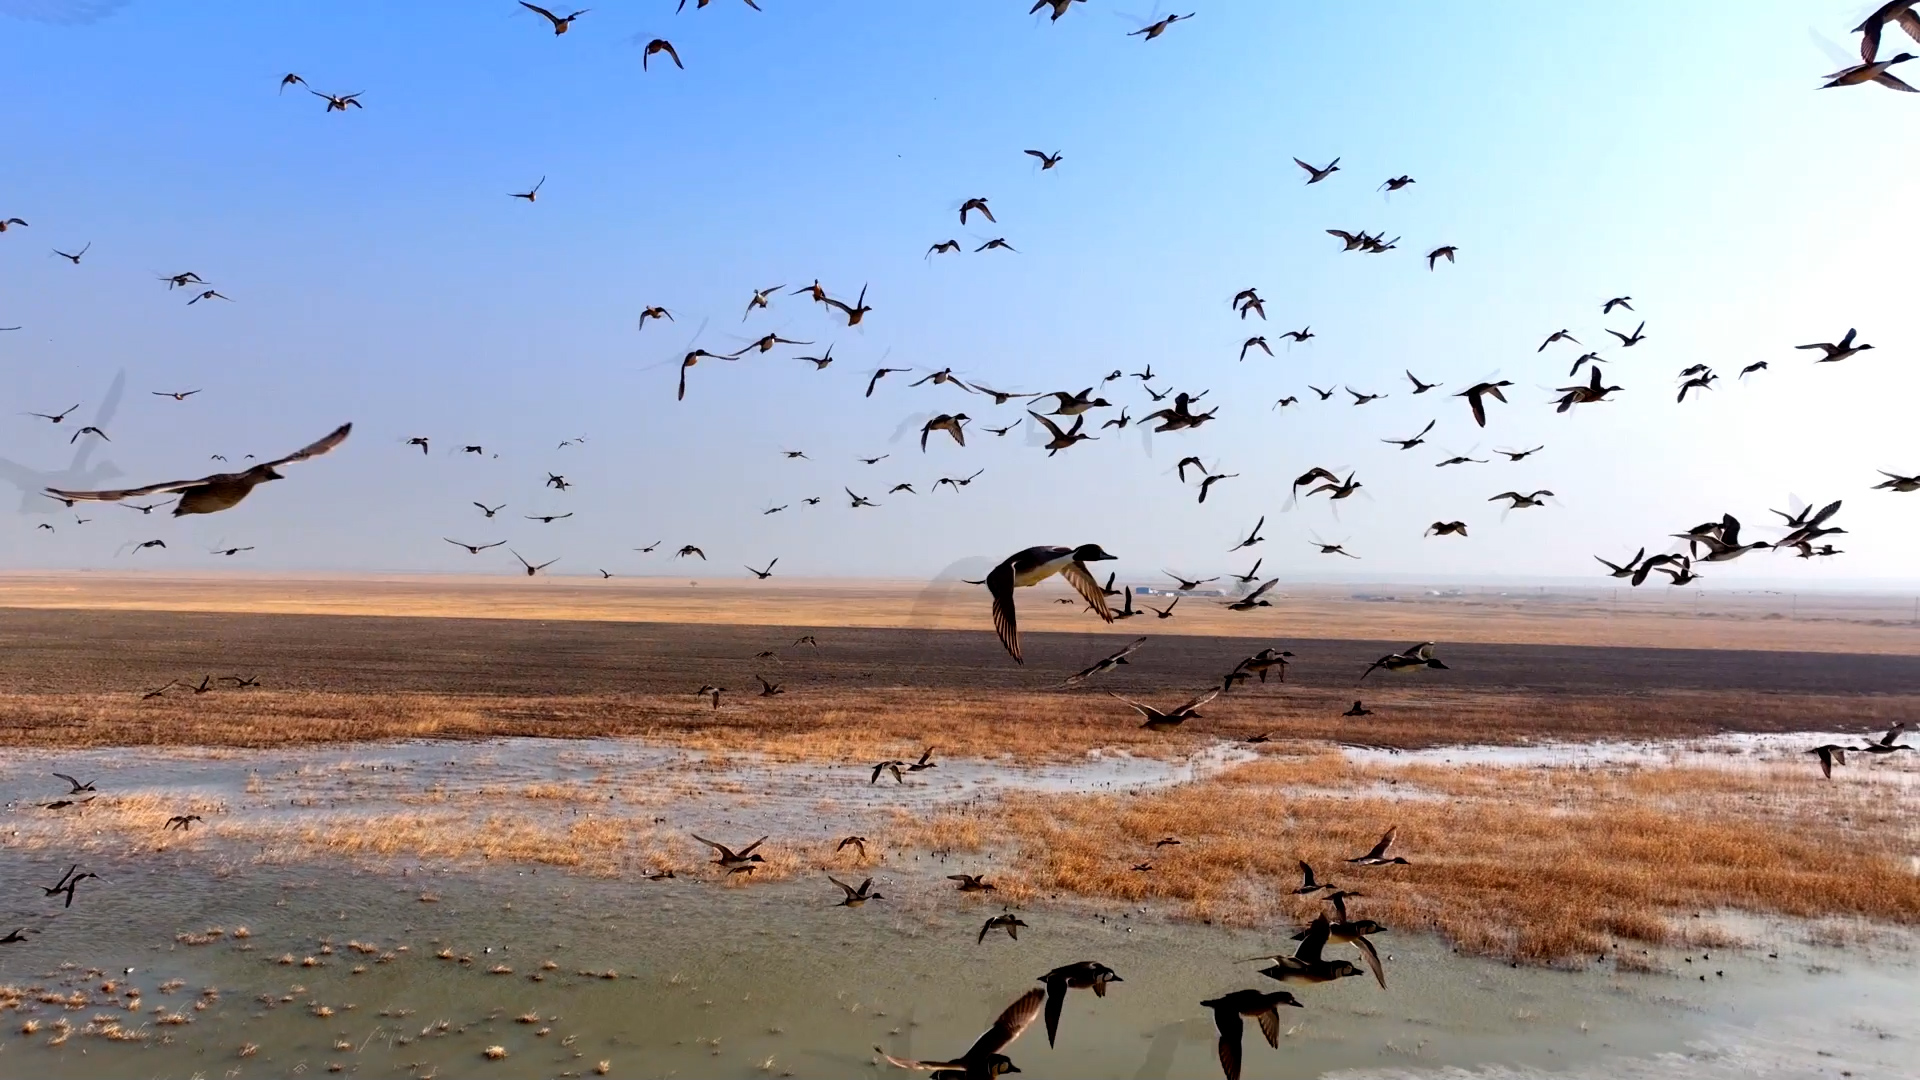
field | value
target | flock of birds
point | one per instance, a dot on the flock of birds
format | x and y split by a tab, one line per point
1060	421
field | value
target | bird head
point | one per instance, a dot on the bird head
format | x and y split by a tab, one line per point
267	473
1092	553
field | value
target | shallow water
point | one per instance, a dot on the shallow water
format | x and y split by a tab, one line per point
775	980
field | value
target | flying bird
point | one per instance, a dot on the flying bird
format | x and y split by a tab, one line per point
1627	341
1227	1022
1474	395
1439	253
1412	658
531	195
1841	351
1314	175
560	25
220	491
983	1060
1154	30
1106	663
338	102
532	569
1033	565
978	204
74	258
661	45
1616	302
1047	161
1875	71
474	548
1899	12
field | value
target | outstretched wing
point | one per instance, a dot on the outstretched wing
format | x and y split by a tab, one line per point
315	449
1000	586
1372	957
1083	583
1016	1019
1228	1021
134	493
1314	941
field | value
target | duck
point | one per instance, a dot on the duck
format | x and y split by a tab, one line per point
856	897
971	882
560	25
1255	599
1109	662
1267	659
1047	161
1009	922
1314	175
711	692
1628	341
1060	7
1308	884
1062	440
1378	855
1306	964
1557	335
1408	444
730	860
1339	489
1227	1012
859	843
79	788
1075	404
1412	658
1158	720
221	491
1831	755
926	761
1447	528
1589	392
983	1060
1899	12
1518	501
890	765
1082	975
1476	395
976	204
1886	745
947	422
1353	932
1357	709
1031	566
1896	482
1620	571
1875	71
1840	351
1155	29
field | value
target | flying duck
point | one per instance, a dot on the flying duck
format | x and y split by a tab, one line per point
1084	975
1033	565
221	491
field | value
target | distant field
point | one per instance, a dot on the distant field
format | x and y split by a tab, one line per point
1650	617
75	677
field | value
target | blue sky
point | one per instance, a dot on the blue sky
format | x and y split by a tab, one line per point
1680	154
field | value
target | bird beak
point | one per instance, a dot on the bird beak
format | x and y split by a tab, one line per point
271	475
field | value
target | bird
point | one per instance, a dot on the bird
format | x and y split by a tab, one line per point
978	204
1623	571
1298	336
1338	489
1420	387
1332	549
1083	975
531	194
881	374
420	442
856	897
1873	71
894	766
1395	183
947	422
1517	501
972	882
1031	566
490	512
958	482
1838	352
687	551
1703	382
181	281
1408	444
1363	399
1899	12
338	102
857	842
657	46
1592	391
698	4
1314	175
765	345
290	79
1183	585
1167	720
1476	394
532	569
1212	479
1757	365
859	500
1291	400
177	395
1831	755
770	689
730	860
763	574
1353	241
1047	161
1252	342
654	312
944	247
560	25
241	683
230	551
1627	341
1377	856
1253	537
712	693
473	548
1583	359
1412	658
1011	924
1062	440
17	936
1227	1012
997	242
1616	302
1896	482
1060	7
1518	455
1307	882
88	430
79	787
1439	253
854	313
183	822
56	417
1167	613
1105	663
1254	599
1268	659
983	1060
1324	394
547	519
1557	335
1886	745
1154	30
74	258
221	491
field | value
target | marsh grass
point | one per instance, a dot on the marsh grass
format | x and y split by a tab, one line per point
1549	865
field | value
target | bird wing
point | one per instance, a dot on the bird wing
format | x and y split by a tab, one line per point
314	449
1314	941
1269	1022
1147	711
1051	426
1479	409
1016	1019
1306	875
1083	583
1198	701
1372	957
1056	992
1257	593
724	851
1230	1025
1000	587
150	489
844	887
1386	841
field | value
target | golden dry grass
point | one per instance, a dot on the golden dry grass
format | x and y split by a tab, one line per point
1540	865
843	724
